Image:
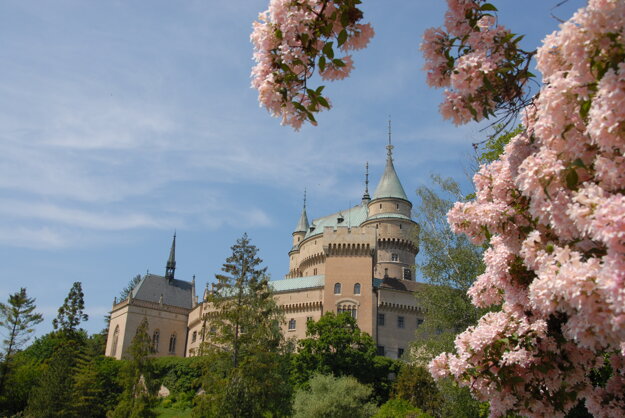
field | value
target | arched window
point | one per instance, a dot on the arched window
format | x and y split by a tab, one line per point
155	339
114	343
292	324
172	343
194	336
337	288
357	289
350	309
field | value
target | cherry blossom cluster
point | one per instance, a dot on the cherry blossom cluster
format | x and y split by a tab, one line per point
478	62
292	39
552	211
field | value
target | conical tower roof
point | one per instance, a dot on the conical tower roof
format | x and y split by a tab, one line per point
389	185
302	224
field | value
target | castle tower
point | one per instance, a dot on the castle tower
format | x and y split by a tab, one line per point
390	214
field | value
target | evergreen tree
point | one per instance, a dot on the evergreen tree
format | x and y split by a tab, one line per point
71	312
138	399
18	318
129	287
246	372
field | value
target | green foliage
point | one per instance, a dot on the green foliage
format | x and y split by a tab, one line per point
71	312
52	396
490	150
137	399
335	345
333	397
18	318
129	287
400	408
458	402
246	357
178	374
450	263
415	386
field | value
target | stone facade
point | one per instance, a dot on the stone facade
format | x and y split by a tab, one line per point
358	260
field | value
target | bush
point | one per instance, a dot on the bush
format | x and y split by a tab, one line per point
400	408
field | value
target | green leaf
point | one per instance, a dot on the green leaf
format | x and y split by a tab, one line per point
323	102
342	37
328	50
572	179
487	7
322	63
338	63
304	38
578	163
299	106
345	19
584	108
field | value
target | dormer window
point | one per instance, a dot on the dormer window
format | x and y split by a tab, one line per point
340	219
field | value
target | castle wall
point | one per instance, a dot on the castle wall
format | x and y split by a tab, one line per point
402	316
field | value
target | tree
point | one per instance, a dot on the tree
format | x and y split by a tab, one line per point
71	312
399	408
335	345
137	399
18	318
336	397
415	386
246	371
449	262
129	287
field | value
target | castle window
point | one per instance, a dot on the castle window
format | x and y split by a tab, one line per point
407	274
155	340
194	336
172	344
349	309
115	339
337	288
394	257
381	319
397	206
309	318
314	272
292	325
377	226
380	205
380	350
400	322
357	289
400	226
419	322
299	238
400	352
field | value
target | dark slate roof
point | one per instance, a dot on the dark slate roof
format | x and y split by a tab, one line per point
398	284
175	292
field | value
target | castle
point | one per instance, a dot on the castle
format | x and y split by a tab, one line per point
358	260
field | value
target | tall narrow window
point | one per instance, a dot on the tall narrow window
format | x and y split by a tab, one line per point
115	340
380	350
292	324
155	338
400	352
314	272
381	319
172	343
194	336
357	289
337	288
400	322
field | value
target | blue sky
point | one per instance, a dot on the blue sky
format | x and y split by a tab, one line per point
121	122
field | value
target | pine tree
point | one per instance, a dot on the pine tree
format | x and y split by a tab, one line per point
247	371
137	399
18	318
71	312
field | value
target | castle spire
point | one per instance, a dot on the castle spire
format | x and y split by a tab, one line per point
302	224
170	268
366	198
389	185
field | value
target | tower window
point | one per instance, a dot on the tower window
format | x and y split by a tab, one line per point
314	272
400	352
337	288
380	205
357	289
381	319
400	322
380	350
114	343
172	343
394	257
155	340
292	324
419	322
400	226
194	336
407	274
397	206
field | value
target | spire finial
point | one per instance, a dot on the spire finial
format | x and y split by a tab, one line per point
389	147
304	198
170	268
366	198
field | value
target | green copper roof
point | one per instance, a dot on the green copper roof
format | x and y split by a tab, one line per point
351	217
302	225
389	185
298	283
389	215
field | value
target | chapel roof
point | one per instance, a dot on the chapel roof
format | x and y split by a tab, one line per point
175	292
